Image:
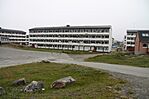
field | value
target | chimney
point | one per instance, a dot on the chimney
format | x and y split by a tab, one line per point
67	25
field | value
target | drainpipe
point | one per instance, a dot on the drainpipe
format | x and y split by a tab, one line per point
147	48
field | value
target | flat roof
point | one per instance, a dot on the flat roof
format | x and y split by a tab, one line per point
143	30
11	30
135	31
132	31
71	27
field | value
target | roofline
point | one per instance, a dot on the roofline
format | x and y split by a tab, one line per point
135	31
143	30
11	30
130	31
68	26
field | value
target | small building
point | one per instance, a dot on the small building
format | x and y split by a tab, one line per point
142	42
129	40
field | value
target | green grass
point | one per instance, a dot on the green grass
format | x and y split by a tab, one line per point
47	49
90	83
122	59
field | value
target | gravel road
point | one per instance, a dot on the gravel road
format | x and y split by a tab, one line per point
11	56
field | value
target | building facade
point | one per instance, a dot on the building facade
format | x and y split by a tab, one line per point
85	38
129	40
12	36
142	42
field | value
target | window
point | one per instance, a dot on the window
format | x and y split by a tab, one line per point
102	30
145	34
92	41
106	30
144	45
106	42
107	36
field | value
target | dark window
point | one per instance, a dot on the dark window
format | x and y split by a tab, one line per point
145	45
107	36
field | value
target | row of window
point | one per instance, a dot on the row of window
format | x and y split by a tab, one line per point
130	38
71	46
145	34
13	32
70	30
130	42
71	41
131	34
73	36
17	39
15	36
7	35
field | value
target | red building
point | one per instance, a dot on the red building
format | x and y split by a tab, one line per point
142	42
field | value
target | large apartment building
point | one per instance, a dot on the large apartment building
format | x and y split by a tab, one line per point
12	36
85	38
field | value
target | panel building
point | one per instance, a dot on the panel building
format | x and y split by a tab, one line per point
85	38
12	36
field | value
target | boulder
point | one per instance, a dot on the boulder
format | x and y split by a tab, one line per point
61	83
18	82
2	91
45	61
34	86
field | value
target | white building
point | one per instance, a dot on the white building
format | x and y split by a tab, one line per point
129	40
85	38
12	36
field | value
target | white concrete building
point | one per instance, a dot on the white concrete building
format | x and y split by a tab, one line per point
85	38
129	40
12	36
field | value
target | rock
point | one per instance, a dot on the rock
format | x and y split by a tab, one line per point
2	91
45	61
34	86
58	85
124	97
117	92
108	87
61	83
18	82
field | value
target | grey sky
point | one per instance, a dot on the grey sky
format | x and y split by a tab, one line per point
121	14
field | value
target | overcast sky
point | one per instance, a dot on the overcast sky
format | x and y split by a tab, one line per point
121	14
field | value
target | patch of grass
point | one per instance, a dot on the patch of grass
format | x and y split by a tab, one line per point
122	59
90	83
48	50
